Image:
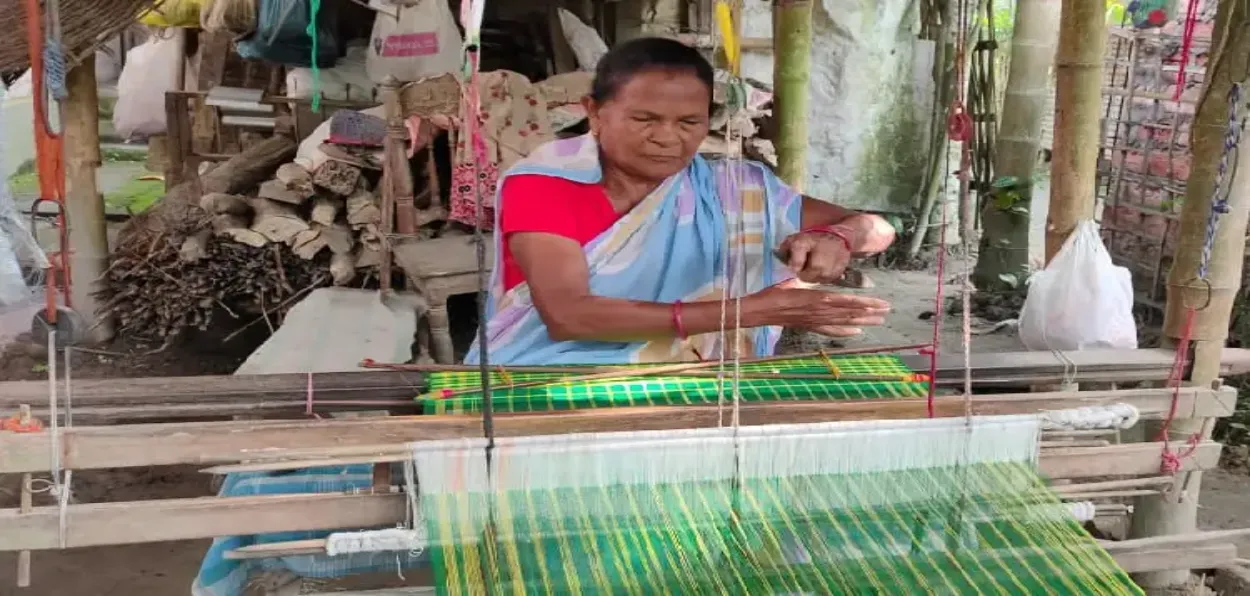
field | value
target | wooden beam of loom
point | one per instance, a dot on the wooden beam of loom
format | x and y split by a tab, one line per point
85	448
97	524
1133	560
1020	367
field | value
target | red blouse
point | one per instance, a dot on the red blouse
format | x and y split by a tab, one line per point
536	203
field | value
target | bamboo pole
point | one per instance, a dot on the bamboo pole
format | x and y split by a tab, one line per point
1078	102
792	53
84	205
1004	248
1176	512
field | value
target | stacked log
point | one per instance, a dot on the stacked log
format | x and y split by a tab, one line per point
249	238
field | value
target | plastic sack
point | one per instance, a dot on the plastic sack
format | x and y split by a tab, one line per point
587	46
1080	301
412	41
235	17
173	13
281	34
151	69
347	81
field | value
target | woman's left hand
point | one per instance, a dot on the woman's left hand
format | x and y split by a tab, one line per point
816	257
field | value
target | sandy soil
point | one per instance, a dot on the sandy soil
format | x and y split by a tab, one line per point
168	568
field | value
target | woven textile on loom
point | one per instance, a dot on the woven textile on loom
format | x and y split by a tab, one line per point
671	390
940	506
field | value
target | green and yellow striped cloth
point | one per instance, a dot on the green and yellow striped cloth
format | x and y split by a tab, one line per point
979	529
457	392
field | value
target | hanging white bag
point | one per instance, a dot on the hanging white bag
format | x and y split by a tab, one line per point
413	39
151	69
1081	300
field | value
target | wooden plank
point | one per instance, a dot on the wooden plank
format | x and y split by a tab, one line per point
161	520
1203	557
1021	367
218	388
85	448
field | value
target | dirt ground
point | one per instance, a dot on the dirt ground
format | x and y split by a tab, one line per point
168	568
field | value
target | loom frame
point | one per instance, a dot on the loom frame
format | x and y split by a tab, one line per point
235	445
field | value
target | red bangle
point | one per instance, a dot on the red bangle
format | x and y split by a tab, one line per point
678	325
840	232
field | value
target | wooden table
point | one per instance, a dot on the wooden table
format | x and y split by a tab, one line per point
439	269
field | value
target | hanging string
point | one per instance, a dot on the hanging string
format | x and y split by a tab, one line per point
1187	42
471	14
1234	125
54	69
313	11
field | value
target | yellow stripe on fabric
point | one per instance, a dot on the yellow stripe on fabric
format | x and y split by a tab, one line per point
927	476
587	528
794	532
776	542
1065	553
536	540
511	554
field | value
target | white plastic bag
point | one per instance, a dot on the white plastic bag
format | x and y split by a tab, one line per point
413	40
151	69
1081	300
587	46
347	81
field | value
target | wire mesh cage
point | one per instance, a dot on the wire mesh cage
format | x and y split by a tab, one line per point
1149	110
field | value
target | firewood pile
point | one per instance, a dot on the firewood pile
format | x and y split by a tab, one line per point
247	241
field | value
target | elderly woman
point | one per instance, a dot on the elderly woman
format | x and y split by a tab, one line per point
619	246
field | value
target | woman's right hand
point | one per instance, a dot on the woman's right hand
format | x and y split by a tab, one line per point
792	304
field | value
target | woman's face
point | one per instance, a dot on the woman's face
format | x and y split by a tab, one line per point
654	124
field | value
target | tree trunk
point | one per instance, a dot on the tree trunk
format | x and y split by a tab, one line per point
84	205
792	55
1167	515
1003	258
1078	107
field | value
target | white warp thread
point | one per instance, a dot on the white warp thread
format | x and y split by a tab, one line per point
1114	416
372	541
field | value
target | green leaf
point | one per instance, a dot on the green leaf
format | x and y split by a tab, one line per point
1004	182
1011	280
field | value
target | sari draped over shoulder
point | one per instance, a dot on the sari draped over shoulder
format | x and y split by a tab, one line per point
682	242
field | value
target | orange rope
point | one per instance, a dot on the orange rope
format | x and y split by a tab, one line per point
49	159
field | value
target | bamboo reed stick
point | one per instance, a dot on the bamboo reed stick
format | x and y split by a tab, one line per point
1114	484
634	370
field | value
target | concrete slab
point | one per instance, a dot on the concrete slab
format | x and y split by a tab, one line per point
333	329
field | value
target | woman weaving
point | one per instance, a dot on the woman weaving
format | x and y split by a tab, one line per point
617	246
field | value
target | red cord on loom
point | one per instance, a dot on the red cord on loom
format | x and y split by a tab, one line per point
1187	42
1172	461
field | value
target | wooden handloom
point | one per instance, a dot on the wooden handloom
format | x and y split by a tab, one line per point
1078	462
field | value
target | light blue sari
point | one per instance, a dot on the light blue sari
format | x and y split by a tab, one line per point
682	242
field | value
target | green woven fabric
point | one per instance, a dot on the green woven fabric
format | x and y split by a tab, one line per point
983	529
669	390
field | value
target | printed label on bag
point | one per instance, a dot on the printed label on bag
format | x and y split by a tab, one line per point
406	45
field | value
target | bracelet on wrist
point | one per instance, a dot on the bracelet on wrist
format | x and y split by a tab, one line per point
678	324
843	233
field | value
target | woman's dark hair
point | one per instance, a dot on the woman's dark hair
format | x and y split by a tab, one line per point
622	62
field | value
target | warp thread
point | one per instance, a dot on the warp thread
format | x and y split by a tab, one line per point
1115	416
1171	460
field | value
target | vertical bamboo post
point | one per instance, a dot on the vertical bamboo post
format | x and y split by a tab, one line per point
84	205
1078	103
1005	241
792	57
1176	513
